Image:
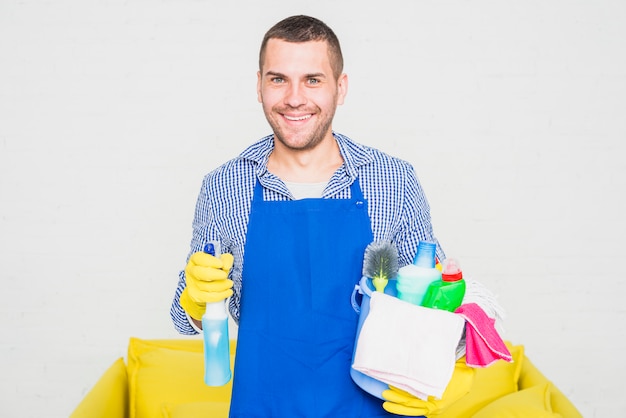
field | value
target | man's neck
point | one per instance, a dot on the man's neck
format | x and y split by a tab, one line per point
305	166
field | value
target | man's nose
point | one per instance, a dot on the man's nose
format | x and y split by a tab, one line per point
295	95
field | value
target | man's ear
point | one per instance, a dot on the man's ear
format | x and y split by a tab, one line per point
342	88
259	96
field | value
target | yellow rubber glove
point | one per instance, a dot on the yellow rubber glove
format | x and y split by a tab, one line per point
207	281
400	402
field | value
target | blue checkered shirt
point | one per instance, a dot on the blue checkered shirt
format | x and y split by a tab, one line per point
398	209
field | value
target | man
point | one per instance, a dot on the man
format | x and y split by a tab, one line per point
296	211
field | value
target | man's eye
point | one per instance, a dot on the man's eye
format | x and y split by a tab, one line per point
313	81
277	80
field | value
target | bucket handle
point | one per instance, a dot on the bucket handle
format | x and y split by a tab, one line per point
361	288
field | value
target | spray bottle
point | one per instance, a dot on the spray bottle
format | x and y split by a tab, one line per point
215	333
447	293
413	280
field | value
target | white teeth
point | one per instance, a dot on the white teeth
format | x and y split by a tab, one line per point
297	118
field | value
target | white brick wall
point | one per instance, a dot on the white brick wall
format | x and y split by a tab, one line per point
110	113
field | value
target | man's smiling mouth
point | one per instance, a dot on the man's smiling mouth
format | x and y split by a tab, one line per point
297	118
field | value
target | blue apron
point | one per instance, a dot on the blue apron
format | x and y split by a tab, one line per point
297	326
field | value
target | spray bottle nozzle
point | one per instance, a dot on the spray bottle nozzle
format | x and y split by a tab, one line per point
209	248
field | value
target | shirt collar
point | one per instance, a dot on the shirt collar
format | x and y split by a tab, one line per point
354	155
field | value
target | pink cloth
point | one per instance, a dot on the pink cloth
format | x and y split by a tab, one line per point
483	344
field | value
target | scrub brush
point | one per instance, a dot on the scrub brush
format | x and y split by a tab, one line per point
380	263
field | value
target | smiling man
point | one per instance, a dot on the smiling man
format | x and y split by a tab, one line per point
300	86
296	211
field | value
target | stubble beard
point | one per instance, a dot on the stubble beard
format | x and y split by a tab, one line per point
300	141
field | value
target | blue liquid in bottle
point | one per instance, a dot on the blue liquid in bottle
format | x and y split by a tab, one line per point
216	342
216	345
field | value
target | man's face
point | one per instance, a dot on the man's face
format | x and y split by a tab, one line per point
299	92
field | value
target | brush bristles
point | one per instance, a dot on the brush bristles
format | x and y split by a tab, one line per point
380	260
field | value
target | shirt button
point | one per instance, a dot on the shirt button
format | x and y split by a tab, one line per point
359	203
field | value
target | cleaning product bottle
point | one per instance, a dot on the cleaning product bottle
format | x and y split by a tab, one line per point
215	333
447	293
413	280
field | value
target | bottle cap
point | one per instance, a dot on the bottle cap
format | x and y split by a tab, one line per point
451	270
425	256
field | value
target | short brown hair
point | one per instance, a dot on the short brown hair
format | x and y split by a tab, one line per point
305	29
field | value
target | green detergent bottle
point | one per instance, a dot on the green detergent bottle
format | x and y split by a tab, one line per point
447	293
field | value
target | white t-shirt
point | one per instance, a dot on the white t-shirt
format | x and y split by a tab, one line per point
306	190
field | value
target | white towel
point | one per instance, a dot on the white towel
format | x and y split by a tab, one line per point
408	346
